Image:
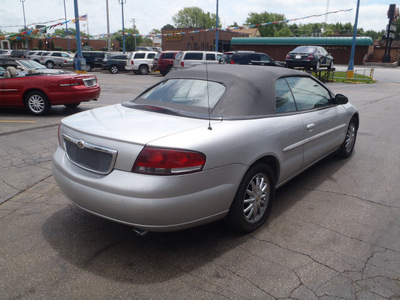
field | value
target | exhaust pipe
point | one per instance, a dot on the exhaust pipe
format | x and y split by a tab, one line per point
140	232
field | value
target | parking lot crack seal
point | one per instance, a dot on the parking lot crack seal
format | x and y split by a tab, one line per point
27	129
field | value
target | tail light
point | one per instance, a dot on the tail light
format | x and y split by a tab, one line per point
71	81
182	64
288	56
158	161
132	62
310	56
232	62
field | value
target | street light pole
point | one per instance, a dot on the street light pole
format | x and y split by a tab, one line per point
108	28
23	9
350	68
66	26
216	31
122	2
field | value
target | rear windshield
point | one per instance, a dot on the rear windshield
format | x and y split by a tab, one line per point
190	92
305	49
168	55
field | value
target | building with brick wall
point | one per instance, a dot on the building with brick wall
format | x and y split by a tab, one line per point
195	39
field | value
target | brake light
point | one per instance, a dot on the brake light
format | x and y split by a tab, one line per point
71	81
158	161
132	62
310	56
182	64
287	56
232	62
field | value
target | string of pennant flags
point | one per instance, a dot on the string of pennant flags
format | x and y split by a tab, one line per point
43	30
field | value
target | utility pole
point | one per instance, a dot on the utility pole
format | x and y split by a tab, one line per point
122	2
216	31
134	29
108	28
350	68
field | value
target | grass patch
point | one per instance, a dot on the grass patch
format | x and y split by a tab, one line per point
358	78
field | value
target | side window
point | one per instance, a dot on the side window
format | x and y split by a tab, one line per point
210	56
151	55
139	55
308	93
56	54
265	58
284	98
64	55
194	56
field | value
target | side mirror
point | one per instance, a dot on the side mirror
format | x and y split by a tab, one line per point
341	99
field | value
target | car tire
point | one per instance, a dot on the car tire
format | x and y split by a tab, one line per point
88	68
49	65
113	69
253	200
143	69
346	149
37	103
72	105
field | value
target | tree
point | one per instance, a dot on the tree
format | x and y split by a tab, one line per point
129	39
266	17
168	26
194	17
63	32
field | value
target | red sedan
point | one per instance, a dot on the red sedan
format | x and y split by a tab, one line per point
38	92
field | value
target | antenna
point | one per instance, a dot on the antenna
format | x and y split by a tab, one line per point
208	91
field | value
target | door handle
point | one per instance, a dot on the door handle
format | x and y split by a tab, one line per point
310	127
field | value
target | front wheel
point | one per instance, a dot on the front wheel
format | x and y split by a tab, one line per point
252	204
346	149
37	103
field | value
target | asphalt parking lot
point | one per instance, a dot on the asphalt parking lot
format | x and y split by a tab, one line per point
333	232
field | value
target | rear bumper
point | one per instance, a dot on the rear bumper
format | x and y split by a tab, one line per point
152	203
75	94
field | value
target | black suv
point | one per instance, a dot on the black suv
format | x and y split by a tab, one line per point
251	58
94	59
115	63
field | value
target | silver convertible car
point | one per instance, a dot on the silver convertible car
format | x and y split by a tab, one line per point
205	143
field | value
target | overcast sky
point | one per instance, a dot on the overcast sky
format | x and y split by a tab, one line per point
157	13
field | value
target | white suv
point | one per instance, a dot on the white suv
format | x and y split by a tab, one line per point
56	58
187	59
140	62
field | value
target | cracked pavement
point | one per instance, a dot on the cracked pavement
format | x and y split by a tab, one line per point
333	232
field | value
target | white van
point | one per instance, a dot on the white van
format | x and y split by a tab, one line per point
187	59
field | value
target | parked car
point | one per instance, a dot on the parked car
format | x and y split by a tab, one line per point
164	61
38	92
36	55
205	143
140	62
309	57
187	59
27	65
19	53
115	63
56	58
5	53
94	59
251	58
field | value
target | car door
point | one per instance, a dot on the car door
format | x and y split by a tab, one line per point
322	122
289	128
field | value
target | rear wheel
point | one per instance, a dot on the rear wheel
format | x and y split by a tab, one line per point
72	105
37	103
346	149
114	69
49	65
143	69
252	203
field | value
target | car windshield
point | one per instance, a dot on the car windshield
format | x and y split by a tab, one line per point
304	49
190	92
31	64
